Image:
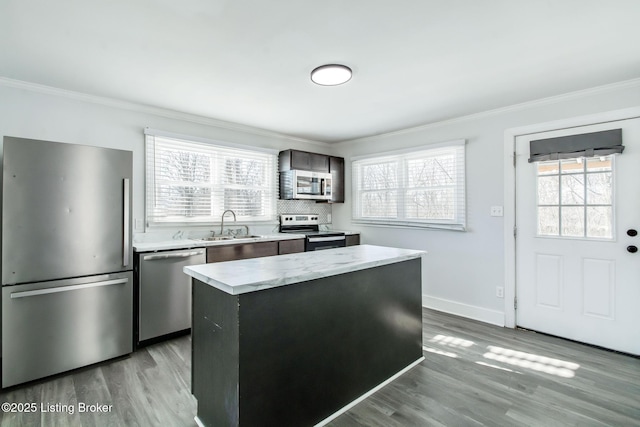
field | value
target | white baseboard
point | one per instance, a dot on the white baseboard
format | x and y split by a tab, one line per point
464	310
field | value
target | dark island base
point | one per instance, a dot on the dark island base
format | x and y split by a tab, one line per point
296	354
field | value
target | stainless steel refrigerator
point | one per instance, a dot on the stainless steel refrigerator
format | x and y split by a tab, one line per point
67	281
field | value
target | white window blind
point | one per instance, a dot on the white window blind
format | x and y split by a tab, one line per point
419	188
194	182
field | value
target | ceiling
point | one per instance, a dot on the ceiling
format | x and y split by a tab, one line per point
248	61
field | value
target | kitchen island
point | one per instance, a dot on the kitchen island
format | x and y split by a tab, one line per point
293	340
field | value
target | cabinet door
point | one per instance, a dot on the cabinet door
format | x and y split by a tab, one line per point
242	251
53	327
291	246
300	160
336	167
319	163
353	239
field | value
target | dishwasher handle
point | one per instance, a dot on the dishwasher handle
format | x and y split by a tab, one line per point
172	255
45	291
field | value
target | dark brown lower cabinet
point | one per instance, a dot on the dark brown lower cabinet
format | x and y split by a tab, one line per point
352	239
241	251
290	246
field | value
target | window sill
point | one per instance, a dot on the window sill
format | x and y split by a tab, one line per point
432	226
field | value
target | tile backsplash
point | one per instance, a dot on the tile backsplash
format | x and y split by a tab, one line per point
305	207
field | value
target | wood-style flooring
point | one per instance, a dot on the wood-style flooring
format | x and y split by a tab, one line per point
474	375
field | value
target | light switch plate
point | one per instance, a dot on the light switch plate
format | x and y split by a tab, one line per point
496	211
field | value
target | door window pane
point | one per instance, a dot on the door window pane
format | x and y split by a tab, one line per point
548	221
548	190
572	221
572	190
575	198
599	221
571	166
599	164
600	188
548	168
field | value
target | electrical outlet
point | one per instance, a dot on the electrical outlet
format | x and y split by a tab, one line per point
329	218
496	211
499	291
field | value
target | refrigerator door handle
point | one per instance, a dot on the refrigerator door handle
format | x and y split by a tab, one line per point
45	291
127	211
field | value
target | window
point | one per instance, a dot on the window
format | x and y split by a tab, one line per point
421	188
195	181
575	198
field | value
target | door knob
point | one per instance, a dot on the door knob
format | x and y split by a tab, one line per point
632	249
631	232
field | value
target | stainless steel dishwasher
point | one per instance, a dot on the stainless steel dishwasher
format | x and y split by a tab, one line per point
165	292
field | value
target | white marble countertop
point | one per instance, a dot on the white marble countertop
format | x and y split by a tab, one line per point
199	243
347	233
248	275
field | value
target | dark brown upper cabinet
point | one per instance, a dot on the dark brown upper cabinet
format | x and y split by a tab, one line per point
336	167
303	160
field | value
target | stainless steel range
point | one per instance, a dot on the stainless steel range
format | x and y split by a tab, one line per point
309	225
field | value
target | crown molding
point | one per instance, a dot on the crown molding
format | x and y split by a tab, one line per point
147	109
502	110
221	124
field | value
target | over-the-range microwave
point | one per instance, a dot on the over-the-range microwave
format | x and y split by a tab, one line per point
306	185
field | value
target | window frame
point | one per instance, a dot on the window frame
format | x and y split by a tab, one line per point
401	159
212	148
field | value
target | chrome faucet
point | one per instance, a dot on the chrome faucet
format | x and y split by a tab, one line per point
222	222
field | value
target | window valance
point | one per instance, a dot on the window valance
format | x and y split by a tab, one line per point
592	144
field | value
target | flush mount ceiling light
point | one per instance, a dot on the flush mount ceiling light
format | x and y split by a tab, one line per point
331	75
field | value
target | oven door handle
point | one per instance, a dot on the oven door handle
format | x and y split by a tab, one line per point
326	239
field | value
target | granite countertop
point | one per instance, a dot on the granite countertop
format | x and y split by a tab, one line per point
199	243
242	276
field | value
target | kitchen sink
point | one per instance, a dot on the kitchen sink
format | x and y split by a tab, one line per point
216	238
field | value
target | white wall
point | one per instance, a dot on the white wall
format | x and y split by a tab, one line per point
31	111
462	269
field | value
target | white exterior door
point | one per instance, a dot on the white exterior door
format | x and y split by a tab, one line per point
576	274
